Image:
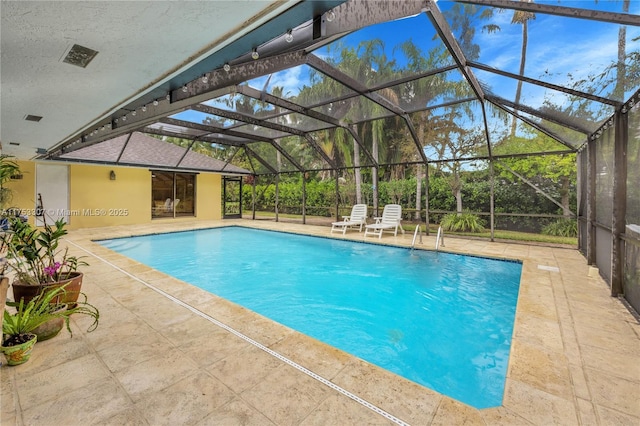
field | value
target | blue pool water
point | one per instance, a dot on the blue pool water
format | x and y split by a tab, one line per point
442	320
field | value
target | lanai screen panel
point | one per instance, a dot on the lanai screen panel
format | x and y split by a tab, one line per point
452	132
633	168
354	110
302	85
512	135
415	95
583	185
304	153
300	122
558	49
408	48
199	117
245	105
573	138
269	154
604	200
573	110
631	274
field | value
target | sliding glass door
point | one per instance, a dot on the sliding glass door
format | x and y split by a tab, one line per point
172	194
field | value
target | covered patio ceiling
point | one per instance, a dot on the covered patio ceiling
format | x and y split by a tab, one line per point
559	70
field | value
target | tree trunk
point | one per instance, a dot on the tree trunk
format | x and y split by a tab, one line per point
356	171
459	200
374	172
523	59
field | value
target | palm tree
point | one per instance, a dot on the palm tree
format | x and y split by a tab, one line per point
521	17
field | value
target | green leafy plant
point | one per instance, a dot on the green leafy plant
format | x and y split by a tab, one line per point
35	256
8	168
18	326
562	228
464	222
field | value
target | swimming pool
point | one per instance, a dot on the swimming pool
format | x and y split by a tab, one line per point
442	320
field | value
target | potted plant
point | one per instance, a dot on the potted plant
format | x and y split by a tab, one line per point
8	169
19	329
38	262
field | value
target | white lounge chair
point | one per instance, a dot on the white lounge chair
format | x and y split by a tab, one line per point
390	221
357	218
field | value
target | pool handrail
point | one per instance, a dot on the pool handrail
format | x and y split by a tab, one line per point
415	234
439	238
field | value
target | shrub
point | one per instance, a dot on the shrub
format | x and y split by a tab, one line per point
562	228
464	222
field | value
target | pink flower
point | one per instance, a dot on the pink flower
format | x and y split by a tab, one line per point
51	270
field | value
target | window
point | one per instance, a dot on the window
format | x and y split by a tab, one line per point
172	194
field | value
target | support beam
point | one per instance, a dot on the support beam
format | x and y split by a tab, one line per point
591	202
356	137
569	12
446	35
318	149
186	151
124	146
260	159
532	185
253	198
426	190
211	129
562	89
492	212
304	199
247	119
535	125
355	14
552	118
286	155
352	84
414	136
283	103
219	78
619	202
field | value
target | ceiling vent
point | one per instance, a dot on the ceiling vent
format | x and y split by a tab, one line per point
30	117
80	56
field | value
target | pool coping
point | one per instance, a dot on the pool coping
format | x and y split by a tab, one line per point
329	238
551	374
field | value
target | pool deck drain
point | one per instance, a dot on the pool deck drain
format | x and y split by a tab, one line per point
153	361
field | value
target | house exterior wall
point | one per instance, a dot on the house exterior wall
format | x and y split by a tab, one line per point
208	196
95	200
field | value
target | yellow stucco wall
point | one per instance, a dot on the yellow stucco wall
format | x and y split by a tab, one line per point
95	200
209	196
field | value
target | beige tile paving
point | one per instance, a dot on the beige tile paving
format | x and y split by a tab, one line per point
156	360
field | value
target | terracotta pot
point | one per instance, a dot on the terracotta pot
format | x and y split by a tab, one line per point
50	328
19	354
29	291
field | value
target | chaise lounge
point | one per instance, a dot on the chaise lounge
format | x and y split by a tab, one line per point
390	221
357	218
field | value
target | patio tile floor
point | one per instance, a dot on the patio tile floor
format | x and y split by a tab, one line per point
156	358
